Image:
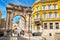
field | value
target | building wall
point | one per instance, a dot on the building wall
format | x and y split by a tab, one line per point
46	11
54	30
47	20
3	23
22	23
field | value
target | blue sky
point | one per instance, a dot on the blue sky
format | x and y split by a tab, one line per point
4	3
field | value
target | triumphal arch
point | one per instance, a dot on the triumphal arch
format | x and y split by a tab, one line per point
17	10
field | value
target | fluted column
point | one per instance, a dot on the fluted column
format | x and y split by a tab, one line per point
24	12
7	21
11	18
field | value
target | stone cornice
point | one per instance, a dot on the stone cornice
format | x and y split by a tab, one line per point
46	10
18	8
44	2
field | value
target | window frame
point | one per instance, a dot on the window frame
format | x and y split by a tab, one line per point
51	25
37	16
55	6
55	14
50	14
49	7
37	8
45	25
57	25
43	7
44	15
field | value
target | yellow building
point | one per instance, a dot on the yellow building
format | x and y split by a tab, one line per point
46	17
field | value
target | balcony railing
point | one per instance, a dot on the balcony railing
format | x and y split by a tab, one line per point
38	10
37	21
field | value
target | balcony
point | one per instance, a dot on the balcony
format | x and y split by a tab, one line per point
37	10
37	21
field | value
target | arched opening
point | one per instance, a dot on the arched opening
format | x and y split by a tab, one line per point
16	18
19	22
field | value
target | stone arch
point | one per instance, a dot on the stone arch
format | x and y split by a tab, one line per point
13	10
20	16
23	18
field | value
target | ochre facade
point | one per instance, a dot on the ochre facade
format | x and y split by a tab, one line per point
46	17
